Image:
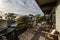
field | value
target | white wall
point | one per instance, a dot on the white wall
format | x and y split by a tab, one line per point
58	18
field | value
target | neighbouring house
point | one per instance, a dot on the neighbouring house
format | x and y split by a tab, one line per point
3	24
32	20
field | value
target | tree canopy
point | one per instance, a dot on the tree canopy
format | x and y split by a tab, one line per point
23	19
40	18
10	16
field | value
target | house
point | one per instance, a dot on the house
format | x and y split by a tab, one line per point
52	9
3	24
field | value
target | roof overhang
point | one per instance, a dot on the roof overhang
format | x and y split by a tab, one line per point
47	5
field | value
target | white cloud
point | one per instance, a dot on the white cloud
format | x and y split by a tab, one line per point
20	6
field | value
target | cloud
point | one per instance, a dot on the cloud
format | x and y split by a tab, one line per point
20	6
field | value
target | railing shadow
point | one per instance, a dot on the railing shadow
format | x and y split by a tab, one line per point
38	34
19	32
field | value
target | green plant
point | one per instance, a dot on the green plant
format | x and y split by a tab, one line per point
23	22
40	18
10	16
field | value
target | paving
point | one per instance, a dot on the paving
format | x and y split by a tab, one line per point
32	34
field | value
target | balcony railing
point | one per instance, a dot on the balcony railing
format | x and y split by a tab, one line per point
9	34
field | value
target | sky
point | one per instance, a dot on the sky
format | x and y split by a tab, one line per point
23	7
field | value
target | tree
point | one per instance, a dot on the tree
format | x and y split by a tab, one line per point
38	15
10	16
23	21
40	18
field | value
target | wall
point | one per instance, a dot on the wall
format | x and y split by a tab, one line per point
58	17
3	23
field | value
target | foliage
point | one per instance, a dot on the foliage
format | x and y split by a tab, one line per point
21	26
38	15
23	21
40	18
10	15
